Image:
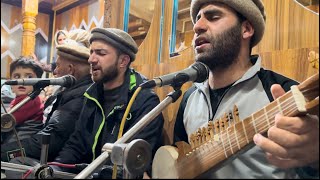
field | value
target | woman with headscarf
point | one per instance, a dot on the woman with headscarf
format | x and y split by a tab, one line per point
60	37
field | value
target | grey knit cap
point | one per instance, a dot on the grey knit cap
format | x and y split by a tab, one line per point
253	10
117	38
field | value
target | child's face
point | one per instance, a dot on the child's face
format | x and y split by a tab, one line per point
22	73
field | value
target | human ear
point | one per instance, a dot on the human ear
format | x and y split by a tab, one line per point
124	60
247	30
71	69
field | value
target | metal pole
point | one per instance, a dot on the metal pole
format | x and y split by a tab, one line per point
84	174
129	134
24	168
144	121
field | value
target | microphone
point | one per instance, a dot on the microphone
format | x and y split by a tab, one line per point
65	81
197	72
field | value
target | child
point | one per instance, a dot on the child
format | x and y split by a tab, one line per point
29	116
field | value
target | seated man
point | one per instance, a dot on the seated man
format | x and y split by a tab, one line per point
66	107
284	147
111	53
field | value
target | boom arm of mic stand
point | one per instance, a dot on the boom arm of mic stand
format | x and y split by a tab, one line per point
172	97
32	95
6	118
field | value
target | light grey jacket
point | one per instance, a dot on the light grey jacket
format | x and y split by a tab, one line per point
250	94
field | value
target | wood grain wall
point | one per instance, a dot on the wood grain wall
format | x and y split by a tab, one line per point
85	16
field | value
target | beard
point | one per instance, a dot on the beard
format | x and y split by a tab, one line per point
225	48
108	74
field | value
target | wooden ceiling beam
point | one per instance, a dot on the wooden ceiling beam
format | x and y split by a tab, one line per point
63	4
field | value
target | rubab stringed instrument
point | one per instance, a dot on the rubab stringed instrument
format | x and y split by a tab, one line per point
220	140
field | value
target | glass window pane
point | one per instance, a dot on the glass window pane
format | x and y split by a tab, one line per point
184	32
140	17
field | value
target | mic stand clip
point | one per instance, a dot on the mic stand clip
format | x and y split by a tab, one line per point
134	157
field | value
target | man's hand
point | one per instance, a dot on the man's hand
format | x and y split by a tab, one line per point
292	141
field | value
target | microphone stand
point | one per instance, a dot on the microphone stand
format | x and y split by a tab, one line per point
7	119
107	148
23	168
43	170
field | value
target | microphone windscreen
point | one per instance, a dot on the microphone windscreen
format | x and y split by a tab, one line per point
69	81
203	71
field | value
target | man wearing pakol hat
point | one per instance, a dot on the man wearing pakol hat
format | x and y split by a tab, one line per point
111	53
225	32
66	105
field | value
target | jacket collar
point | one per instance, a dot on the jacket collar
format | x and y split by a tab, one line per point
84	80
96	90
255	60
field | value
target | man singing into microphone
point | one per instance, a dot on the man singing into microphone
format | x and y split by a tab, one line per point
111	53
64	107
225	33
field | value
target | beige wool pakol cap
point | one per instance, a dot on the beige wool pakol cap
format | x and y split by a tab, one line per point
253	10
75	46
74	52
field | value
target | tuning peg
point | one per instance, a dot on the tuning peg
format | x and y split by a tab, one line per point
236	114
203	134
192	140
216	126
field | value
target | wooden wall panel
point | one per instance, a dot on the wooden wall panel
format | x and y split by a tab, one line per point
82	16
101	8
288	26
154	70
11	28
117	19
292	63
43	22
11	35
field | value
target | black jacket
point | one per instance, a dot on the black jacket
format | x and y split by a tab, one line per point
94	129
60	123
